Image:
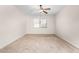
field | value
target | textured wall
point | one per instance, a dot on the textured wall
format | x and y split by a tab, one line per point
67	24
12	25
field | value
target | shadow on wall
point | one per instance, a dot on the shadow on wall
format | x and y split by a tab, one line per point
12	25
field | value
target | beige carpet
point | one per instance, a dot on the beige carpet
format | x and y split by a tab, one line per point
40	44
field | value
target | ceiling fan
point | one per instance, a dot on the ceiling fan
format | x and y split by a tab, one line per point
44	10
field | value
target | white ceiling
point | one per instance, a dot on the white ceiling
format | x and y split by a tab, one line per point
35	9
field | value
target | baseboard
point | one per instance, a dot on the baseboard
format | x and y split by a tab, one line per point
14	39
65	41
40	34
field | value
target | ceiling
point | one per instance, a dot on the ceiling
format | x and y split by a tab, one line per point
35	9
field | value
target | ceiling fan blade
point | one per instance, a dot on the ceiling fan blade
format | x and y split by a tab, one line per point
41	7
47	9
45	12
44	9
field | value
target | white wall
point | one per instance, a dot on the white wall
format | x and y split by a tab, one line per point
49	30
67	24
12	25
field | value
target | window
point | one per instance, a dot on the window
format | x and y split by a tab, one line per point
36	23
43	23
40	23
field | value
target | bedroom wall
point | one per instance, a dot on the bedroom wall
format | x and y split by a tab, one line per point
50	26
12	25
67	24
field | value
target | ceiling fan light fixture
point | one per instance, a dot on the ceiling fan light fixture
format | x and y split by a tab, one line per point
44	10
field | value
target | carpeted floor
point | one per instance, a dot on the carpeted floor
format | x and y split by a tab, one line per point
40	44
